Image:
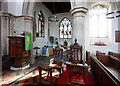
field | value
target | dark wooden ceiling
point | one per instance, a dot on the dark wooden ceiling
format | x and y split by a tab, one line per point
58	7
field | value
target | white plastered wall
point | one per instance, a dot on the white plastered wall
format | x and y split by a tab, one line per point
15	7
40	41
54	27
111	44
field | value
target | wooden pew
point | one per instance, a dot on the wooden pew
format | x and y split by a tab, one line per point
99	52
103	72
98	55
114	59
105	60
117	55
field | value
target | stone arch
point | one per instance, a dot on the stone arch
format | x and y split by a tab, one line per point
99	3
28	9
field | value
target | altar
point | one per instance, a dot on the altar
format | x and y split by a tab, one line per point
46	51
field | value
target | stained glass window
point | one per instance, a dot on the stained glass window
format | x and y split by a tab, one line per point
98	23
40	25
65	28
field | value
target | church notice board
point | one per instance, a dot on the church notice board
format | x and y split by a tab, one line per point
28	41
117	36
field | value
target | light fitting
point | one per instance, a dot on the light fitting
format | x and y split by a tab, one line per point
53	18
115	13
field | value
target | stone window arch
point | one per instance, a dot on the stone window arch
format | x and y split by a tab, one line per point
65	28
98	21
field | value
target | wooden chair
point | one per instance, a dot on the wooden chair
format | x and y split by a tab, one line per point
58	55
66	55
76	53
66	52
49	79
81	69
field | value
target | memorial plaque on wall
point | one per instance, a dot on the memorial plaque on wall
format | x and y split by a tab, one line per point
117	36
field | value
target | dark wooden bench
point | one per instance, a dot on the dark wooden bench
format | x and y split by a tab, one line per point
106	68
117	55
111	60
114	60
98	55
104	74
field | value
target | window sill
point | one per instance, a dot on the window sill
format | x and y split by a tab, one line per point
100	45
65	38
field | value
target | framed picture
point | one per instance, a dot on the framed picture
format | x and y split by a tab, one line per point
117	36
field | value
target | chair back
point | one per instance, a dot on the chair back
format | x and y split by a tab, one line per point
76	53
82	69
58	54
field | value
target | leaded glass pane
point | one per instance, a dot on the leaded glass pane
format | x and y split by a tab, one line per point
40	24
61	31
69	31
99	24
65	28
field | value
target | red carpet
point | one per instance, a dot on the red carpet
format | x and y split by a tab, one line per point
76	75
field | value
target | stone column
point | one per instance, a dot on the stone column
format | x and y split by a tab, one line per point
78	11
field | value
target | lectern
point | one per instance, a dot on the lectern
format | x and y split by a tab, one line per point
17	51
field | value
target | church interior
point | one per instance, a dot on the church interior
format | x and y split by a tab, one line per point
59	42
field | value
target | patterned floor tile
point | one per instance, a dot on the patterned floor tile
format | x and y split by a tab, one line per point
9	75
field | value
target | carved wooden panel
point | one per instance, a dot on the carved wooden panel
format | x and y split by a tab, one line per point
19	47
57	53
77	52
17	51
12	49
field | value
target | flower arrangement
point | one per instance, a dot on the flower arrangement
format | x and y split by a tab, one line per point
100	43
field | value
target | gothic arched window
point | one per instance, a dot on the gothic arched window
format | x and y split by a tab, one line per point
98	21
40	24
65	28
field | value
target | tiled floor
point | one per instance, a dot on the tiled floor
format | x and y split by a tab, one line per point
29	75
33	78
10	76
